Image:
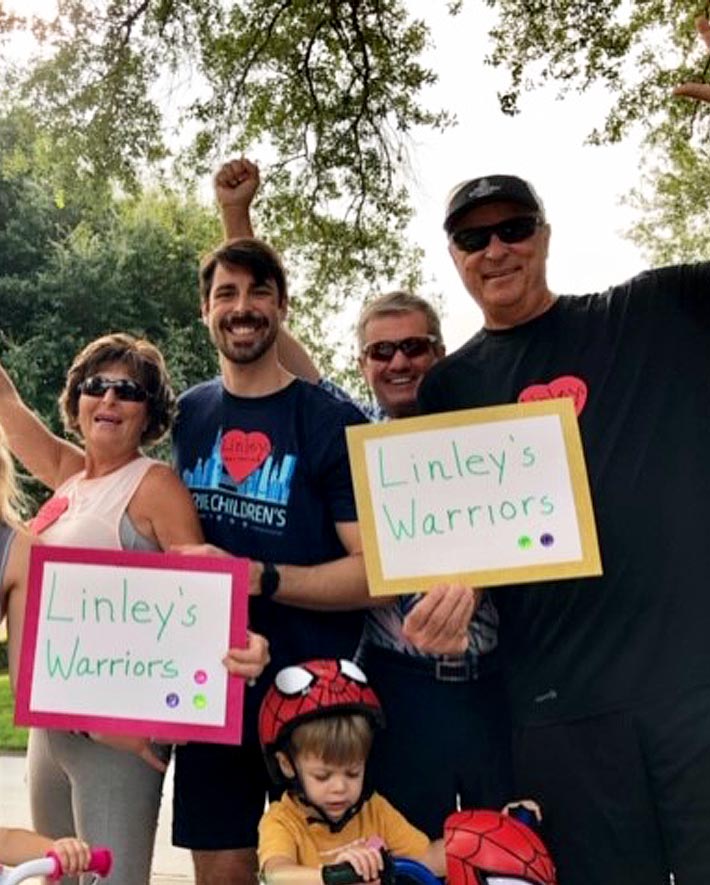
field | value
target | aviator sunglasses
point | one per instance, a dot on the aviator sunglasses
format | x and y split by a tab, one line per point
124	388
512	230
384	351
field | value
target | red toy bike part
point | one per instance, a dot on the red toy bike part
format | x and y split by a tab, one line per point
485	845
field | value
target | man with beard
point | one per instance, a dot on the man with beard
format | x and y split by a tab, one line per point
462	743
264	456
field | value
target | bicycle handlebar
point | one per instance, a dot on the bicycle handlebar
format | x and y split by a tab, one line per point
100	862
395	870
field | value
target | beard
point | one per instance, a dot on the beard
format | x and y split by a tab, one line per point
244	353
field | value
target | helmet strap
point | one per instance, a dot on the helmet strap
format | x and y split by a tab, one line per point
295	788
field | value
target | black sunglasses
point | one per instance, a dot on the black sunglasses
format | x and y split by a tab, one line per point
124	388
512	230
384	351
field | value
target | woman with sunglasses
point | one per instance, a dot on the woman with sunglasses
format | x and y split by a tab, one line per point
117	398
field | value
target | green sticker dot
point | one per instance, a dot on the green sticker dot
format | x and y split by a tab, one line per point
199	701
524	542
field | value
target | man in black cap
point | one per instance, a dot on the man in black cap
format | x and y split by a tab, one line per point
609	678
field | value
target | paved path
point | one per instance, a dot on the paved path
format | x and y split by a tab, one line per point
171	866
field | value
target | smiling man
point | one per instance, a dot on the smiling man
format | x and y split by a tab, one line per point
264	456
608	677
457	732
399	337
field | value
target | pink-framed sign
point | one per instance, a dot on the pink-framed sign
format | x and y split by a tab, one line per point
119	642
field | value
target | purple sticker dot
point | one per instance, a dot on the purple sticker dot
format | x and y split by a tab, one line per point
172	700
547	540
200	677
199	701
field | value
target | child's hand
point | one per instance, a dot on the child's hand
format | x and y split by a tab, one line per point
529	804
73	854
366	860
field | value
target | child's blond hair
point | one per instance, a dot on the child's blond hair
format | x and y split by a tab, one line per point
9	492
337	740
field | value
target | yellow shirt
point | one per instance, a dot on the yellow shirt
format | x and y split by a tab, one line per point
284	831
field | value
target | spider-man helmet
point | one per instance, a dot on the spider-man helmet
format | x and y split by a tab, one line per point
310	691
485	846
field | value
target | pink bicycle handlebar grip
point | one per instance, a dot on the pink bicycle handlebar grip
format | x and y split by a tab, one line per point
100	861
57	871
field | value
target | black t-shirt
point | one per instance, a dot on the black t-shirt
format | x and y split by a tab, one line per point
270	478
637	360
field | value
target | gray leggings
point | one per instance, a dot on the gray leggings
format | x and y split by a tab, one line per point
105	796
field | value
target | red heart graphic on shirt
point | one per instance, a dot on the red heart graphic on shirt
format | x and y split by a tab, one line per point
243	452
565	385
48	513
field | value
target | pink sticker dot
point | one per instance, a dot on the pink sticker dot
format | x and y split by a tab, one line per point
200	677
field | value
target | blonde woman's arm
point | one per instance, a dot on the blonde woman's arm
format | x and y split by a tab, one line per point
15	587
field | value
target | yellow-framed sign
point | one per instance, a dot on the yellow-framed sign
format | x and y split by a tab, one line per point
487	496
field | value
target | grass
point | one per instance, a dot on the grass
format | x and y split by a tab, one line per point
11	737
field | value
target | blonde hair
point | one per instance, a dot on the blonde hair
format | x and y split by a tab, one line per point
9	491
337	740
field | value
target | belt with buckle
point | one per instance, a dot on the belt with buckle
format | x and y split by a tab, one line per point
456	670
444	669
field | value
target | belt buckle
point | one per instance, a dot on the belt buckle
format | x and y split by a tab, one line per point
452	671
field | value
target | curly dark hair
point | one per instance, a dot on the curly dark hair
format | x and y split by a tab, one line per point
146	365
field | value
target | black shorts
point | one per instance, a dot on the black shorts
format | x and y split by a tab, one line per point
219	796
626	795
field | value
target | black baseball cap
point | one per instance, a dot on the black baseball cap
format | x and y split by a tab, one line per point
490	189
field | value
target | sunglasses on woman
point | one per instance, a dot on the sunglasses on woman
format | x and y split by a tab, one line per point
512	230
384	351
124	388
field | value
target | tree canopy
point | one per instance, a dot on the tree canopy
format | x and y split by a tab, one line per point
329	92
72	271
637	50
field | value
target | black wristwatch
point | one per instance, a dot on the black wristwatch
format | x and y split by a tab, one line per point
270	580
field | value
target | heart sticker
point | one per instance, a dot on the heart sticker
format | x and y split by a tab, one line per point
243	453
565	385
48	513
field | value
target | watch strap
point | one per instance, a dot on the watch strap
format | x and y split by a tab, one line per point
270	580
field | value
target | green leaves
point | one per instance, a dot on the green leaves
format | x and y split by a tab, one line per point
325	93
638	51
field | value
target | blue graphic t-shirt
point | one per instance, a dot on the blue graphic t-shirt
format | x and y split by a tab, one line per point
270	478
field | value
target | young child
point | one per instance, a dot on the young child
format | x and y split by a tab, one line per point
316	727
19	846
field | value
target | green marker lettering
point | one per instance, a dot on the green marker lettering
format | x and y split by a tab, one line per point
384	482
401	528
50	614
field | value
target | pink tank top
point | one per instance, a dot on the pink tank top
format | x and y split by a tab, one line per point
94	507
